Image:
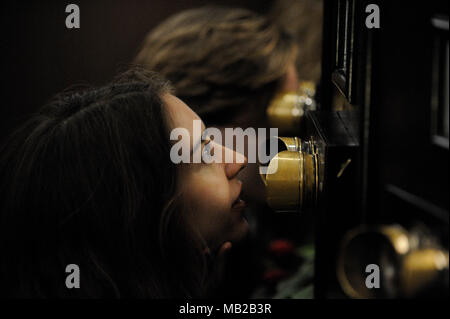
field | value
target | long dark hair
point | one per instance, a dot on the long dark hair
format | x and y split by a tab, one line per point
88	181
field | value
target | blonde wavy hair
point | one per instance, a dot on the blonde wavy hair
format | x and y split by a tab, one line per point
223	62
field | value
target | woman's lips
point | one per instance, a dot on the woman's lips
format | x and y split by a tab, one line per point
238	204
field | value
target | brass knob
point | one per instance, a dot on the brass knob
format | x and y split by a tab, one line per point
293	184
286	109
420	268
405	266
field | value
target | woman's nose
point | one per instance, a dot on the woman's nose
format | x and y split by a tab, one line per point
239	163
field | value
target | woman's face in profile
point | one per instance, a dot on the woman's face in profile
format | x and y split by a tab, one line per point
210	190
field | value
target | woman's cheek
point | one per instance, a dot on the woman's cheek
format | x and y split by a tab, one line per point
216	188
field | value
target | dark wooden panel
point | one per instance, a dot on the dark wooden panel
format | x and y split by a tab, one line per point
402	172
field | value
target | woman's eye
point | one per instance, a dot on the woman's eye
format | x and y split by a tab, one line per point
207	152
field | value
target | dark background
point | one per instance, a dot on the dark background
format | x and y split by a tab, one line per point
41	57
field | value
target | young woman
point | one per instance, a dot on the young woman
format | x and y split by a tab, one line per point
89	181
228	64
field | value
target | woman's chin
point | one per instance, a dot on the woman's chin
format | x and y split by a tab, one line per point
240	230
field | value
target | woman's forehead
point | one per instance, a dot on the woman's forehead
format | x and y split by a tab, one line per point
181	115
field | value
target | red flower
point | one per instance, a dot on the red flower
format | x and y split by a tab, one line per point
274	275
281	247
